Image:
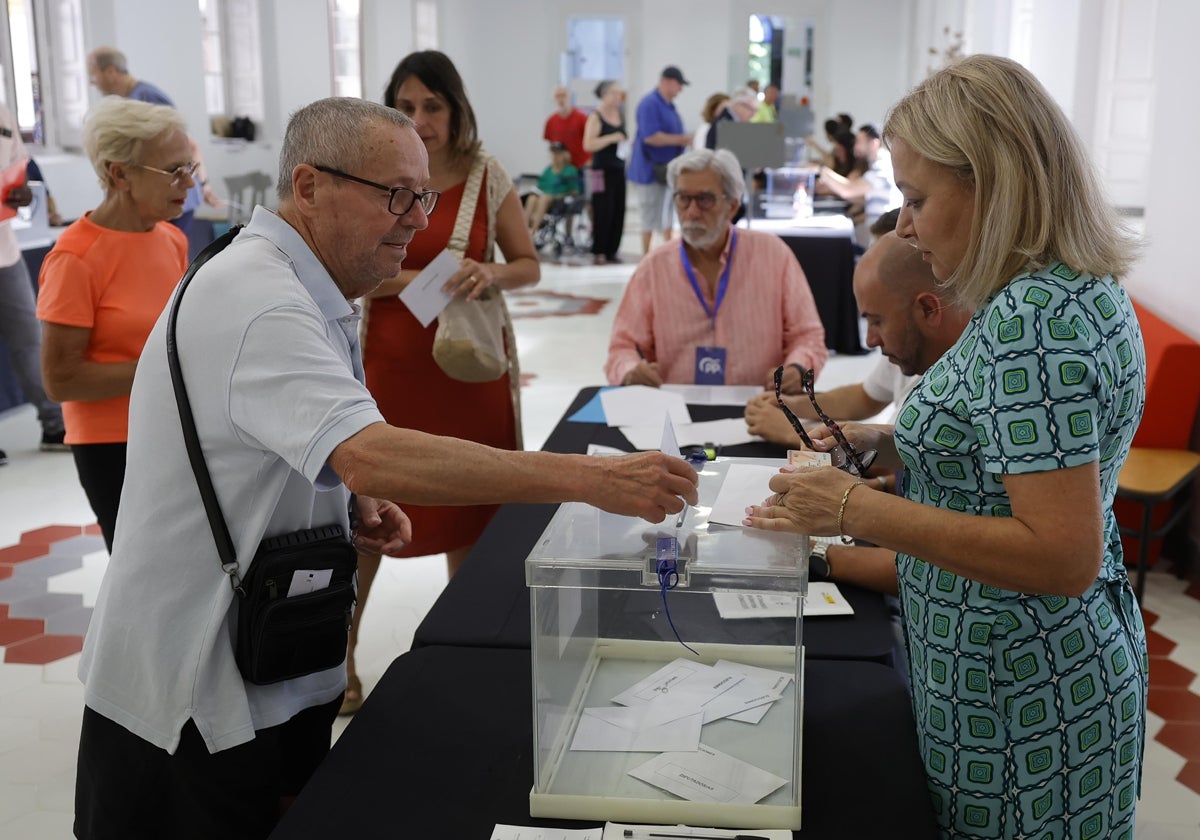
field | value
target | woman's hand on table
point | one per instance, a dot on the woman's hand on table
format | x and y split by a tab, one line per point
805	501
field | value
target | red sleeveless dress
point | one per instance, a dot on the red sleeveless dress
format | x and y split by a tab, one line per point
414	393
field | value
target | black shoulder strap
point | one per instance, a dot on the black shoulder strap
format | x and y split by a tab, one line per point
212	507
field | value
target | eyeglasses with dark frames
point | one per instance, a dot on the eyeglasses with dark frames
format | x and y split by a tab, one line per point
704	200
397	207
177	174
854	462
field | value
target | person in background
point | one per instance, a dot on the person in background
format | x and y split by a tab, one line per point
174	741
659	140
557	180
713	106
565	126
741	108
107	279
768	111
603	133
908	318
723	307
108	71
1029	672
18	321
398	351
875	191
752	84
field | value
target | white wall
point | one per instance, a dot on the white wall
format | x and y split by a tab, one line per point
1166	277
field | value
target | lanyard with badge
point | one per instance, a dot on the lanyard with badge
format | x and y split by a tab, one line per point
710	361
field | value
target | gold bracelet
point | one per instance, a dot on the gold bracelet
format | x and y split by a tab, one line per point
842	509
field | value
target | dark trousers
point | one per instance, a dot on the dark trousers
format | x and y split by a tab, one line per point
101	468
608	214
128	789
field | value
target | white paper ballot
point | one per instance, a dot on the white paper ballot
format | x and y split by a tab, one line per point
624	729
424	296
677	688
708	775
669	445
601	449
775	681
824	598
744	485
526	832
638	405
728	432
616	831
715	394
308	580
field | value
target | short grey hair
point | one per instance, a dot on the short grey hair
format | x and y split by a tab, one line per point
104	57
115	129
745	96
331	132
721	161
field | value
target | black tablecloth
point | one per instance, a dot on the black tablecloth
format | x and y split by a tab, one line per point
486	603
443	747
828	263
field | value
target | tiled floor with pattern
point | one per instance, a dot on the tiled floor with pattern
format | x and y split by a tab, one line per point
52	561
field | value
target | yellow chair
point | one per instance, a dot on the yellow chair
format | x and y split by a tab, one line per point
1149	478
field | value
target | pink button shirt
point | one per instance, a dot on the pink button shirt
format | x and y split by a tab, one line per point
767	318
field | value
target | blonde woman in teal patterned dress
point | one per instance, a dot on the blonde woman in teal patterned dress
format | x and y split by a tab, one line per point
1027	653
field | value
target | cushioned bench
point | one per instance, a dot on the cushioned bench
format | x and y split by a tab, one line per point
1154	482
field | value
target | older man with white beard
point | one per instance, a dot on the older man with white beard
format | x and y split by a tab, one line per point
724	306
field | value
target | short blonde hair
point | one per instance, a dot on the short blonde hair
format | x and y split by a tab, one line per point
1037	198
115	129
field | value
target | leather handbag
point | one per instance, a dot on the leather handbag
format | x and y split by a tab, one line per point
287	625
469	344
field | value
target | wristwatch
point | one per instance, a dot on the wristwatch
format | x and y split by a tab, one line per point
818	560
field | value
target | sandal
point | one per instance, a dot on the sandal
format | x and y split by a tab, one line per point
352	700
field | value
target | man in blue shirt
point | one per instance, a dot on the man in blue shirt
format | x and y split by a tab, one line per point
659	140
108	71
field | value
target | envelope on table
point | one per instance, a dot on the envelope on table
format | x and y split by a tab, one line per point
708	775
623	729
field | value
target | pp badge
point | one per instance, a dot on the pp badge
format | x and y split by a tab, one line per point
710	366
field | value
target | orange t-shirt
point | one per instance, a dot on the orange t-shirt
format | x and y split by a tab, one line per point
116	284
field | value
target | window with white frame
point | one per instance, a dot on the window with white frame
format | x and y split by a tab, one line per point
44	69
232	64
345	42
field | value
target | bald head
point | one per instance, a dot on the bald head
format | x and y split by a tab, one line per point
896	268
109	71
907	316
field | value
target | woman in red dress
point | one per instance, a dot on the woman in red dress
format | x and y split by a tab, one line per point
411	390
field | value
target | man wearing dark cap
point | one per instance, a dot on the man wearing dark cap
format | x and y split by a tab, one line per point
558	179
659	140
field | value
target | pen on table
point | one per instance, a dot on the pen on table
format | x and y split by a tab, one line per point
638	348
635	834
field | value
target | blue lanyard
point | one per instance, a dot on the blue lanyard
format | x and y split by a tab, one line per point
722	283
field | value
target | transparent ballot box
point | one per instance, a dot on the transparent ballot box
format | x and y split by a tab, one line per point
649	707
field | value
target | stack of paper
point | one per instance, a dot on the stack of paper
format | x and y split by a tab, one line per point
665	713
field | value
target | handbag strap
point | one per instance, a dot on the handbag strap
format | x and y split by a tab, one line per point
460	238
216	521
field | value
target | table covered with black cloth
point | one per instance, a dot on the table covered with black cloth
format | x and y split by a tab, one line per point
443	747
828	263
486	603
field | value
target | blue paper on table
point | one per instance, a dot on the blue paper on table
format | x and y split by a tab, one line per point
592	411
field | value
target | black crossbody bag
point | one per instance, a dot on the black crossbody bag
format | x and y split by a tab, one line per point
278	637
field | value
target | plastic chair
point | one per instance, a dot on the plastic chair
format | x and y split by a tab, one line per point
1149	478
246	191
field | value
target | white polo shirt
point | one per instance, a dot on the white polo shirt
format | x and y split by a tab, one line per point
264	342
886	383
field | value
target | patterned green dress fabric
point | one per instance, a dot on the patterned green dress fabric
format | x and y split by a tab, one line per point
1030	709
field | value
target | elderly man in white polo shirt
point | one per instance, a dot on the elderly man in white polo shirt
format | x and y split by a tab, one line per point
174	741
